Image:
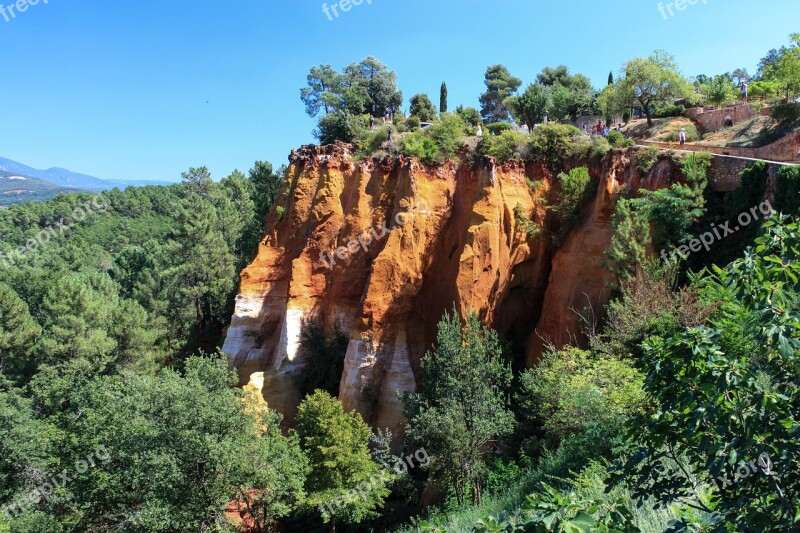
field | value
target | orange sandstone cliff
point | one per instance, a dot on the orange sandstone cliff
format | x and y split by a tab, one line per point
385	247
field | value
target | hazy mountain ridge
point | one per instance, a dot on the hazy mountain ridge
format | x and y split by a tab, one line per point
62	177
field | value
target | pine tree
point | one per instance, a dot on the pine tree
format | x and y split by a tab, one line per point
443	98
18	331
344	483
628	249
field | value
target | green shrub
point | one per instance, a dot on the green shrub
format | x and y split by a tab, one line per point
496	128
470	116
448	134
577	189
506	146
788	115
600	146
531	228
340	126
670	111
421	146
647	159
787	195
371	141
412	123
616	138
554	142
571	389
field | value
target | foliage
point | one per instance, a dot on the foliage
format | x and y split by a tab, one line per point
364	88
469	115
531	228
372	141
787	115
530	106
340	126
507	146
571	389
422	107
719	90
552	143
783	67
420	145
577	188
443	98
670	111
497	128
571	96
628	249
461	406
647	159
726	394
324	358
652	82
337	445
500	85
787	191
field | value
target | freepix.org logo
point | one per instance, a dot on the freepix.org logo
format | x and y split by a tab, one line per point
10	11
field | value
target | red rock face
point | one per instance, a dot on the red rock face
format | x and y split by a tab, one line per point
384	248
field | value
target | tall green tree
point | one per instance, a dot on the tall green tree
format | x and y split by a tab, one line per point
531	105
344	481
422	107
443	98
500	85
374	85
628	251
324	91
652	82
18	333
462	405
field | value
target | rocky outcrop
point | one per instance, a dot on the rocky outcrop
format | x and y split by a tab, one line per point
385	247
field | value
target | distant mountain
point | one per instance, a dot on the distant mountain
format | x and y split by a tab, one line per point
66	178
17	189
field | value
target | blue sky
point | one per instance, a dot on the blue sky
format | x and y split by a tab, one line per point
145	89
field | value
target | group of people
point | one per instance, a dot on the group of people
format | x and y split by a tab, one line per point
599	129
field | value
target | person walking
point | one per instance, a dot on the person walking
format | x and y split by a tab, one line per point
480	131
682	136
744	91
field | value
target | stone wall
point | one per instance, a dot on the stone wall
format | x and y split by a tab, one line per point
715	120
786	150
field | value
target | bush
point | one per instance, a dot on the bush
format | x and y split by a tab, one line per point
647	159
412	123
600	146
787	195
531	228
577	188
441	141
571	390
788	115
470	116
340	126
671	111
506	146
616	138
553	142
496	128
371	141
448	134
421	146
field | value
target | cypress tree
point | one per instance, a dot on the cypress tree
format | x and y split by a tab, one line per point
611	78
443	98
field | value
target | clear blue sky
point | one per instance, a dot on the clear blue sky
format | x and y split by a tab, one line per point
145	89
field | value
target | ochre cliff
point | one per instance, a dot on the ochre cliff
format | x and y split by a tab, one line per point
453	242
